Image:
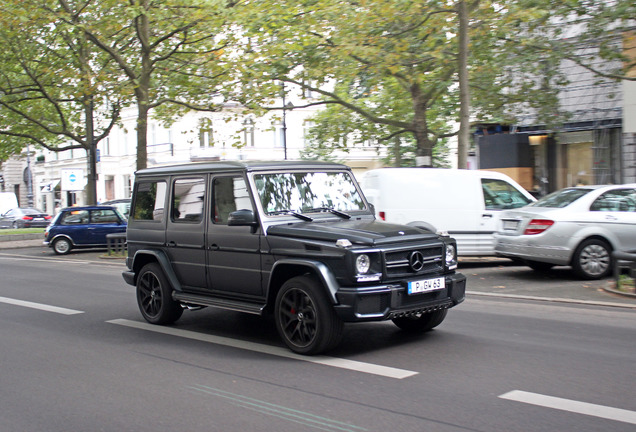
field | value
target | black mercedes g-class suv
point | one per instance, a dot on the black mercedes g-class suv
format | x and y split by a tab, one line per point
296	239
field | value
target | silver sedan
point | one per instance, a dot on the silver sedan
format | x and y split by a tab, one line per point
577	226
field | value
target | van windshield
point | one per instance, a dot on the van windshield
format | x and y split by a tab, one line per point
307	192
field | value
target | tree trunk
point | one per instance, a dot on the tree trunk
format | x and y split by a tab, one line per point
91	153
464	92
424	151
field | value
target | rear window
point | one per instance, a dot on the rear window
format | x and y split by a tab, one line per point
561	198
150	201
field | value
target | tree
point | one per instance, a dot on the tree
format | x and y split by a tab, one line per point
51	87
167	53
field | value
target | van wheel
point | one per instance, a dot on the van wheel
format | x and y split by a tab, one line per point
421	322
154	296
305	318
592	259
62	246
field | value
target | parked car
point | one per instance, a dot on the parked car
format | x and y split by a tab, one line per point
466	204
577	226
24	218
123	205
83	227
297	240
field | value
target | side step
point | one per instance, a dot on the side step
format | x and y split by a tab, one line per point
235	305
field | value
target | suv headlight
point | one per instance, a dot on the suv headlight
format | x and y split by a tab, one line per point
363	264
451	256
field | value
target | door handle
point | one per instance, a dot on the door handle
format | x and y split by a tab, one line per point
172	244
610	217
214	247
486	215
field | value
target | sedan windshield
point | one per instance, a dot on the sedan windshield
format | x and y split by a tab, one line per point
561	198
307	192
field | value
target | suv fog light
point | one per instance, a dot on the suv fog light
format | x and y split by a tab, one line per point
363	264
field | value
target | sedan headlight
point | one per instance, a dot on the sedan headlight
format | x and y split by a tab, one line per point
363	264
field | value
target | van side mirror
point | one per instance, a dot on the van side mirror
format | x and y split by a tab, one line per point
242	218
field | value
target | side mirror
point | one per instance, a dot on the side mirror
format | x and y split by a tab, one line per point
242	218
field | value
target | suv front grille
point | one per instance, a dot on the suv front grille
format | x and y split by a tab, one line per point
407	262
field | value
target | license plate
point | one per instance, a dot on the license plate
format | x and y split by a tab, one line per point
426	285
38	219
510	224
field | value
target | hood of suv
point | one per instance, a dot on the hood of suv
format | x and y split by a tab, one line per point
366	232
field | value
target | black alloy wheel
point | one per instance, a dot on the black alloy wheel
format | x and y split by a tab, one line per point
305	318
154	296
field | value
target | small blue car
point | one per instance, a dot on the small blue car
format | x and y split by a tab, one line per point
83	227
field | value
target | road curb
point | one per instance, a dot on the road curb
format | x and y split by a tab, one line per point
552	299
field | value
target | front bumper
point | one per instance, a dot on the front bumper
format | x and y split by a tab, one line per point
389	301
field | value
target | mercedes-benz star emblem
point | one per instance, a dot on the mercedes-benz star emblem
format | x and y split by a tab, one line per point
416	260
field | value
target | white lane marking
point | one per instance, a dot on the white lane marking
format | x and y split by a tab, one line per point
277	351
589	409
40	306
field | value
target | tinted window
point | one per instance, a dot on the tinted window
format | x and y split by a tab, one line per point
229	194
623	200
150	201
561	198
307	191
74	217
499	194
187	200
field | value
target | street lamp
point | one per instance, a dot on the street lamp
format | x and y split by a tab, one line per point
286	106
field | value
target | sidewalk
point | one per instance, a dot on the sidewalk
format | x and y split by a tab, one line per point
15	241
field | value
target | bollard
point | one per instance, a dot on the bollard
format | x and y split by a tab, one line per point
625	260
116	243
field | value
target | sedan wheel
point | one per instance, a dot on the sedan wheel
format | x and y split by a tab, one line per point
62	246
592	259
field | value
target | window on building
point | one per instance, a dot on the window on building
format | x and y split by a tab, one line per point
248	132
206	137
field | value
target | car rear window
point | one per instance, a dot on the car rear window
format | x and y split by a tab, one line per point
561	198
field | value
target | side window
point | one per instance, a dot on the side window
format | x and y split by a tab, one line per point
618	200
75	217
187	200
150	198
104	217
229	194
499	194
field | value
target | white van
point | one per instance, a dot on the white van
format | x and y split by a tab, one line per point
7	202
465	203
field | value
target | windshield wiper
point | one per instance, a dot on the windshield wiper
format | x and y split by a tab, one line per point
292	213
332	210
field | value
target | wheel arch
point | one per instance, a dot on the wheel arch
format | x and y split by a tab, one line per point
147	256
59	236
286	269
599	237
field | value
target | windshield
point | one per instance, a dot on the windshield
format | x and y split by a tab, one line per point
561	198
307	192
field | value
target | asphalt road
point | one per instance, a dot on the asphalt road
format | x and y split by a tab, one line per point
77	356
